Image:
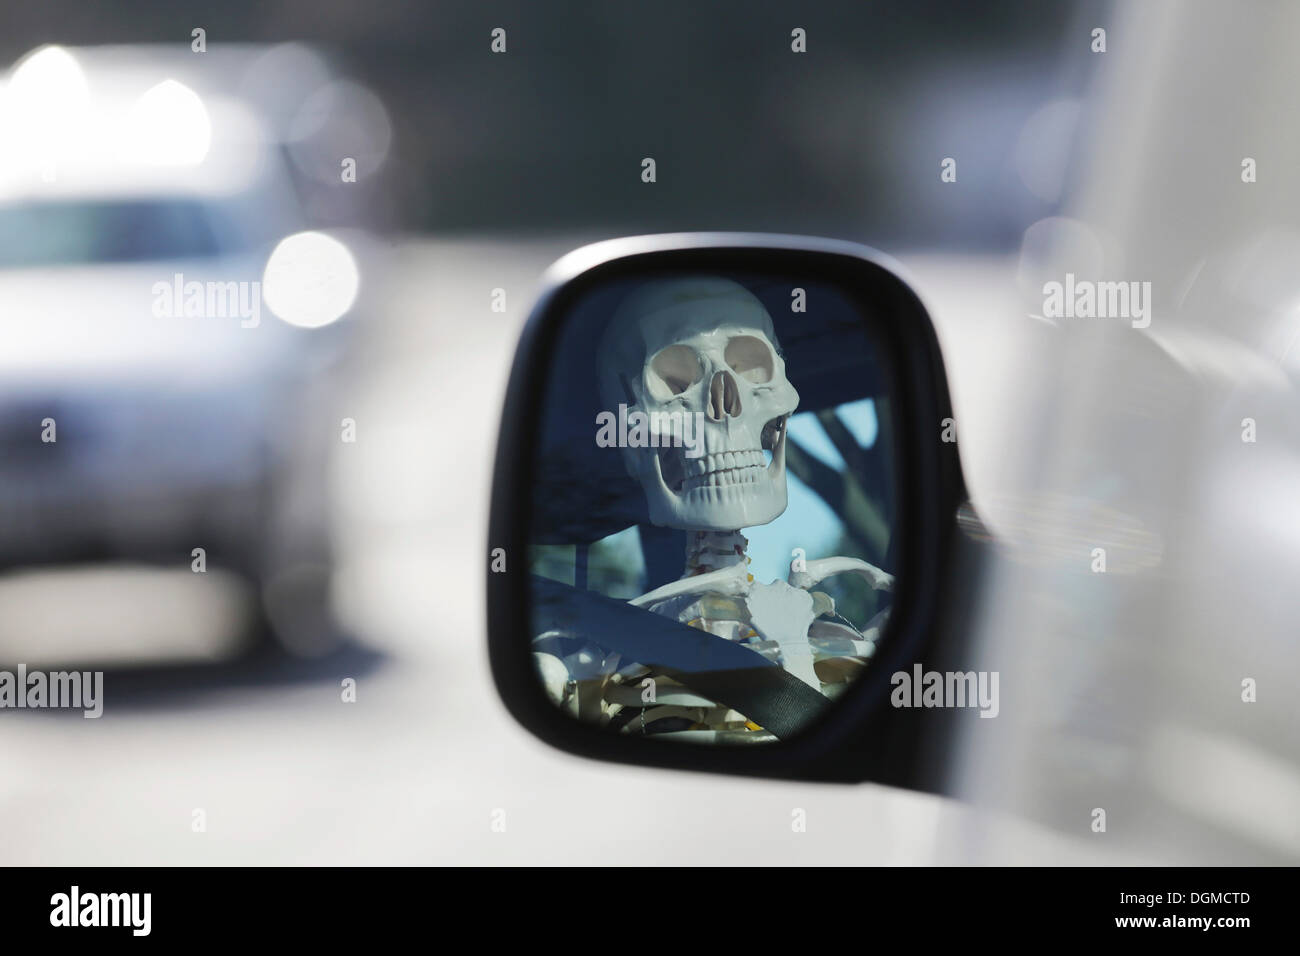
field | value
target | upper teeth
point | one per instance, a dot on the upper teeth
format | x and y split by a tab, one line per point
724	461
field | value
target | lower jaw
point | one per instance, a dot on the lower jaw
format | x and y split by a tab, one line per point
723	507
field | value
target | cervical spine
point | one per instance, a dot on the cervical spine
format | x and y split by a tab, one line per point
714	550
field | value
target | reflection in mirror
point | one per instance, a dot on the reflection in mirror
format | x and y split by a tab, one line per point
711	538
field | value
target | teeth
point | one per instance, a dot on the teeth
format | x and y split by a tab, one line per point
724	461
710	474
727	477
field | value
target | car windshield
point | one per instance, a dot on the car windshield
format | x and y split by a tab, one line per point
51	233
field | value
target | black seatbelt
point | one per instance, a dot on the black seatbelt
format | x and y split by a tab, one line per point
711	666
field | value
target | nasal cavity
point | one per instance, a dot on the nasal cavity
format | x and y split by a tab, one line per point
724	397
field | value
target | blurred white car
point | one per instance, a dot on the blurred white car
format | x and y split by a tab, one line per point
168	328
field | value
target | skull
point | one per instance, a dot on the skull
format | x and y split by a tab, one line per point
705	347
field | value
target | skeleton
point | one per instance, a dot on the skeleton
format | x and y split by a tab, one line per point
707	345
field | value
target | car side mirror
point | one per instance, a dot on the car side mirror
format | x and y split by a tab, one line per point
724	509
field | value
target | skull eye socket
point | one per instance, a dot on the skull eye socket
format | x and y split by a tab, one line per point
673	370
751	358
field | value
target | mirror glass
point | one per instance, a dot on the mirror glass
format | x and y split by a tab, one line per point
712	523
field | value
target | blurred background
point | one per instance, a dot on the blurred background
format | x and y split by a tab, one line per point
365	196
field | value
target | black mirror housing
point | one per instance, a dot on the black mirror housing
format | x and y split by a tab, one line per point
862	737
